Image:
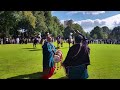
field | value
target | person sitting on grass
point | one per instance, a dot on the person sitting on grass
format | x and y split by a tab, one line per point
48	58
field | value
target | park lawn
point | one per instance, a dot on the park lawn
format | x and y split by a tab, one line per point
21	61
105	61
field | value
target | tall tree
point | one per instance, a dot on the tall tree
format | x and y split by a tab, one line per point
7	22
106	32
48	20
27	22
115	34
40	22
79	28
97	31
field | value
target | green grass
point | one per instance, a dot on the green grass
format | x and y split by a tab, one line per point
23	62
105	62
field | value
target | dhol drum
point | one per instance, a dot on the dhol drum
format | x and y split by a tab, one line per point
58	57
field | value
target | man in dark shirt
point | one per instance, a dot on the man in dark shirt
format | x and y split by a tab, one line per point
77	60
34	42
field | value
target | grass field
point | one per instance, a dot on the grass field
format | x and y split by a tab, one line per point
23	62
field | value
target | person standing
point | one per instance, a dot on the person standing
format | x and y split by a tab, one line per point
17	40
48	58
77	60
34	42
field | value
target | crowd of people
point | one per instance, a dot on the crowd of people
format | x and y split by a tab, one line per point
19	40
104	41
60	40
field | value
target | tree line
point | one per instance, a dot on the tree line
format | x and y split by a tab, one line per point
105	33
35	22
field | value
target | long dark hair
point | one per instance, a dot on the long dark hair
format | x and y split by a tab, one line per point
82	41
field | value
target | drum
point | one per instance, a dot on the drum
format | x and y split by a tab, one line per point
57	58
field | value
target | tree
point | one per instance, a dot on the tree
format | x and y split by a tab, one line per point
115	34
59	28
95	36
106	32
7	22
48	19
70	27
88	35
28	15
27	22
67	31
40	22
79	28
98	31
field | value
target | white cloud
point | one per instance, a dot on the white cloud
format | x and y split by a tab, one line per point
86	12
93	12
52	12
110	22
113	21
62	21
89	24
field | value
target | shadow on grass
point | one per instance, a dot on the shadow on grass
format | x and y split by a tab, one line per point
28	48
32	49
36	75
35	50
28	76
63	77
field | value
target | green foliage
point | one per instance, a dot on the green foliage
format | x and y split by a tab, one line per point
97	33
79	28
88	35
32	21
115	34
70	27
67	32
41	21
28	15
7	22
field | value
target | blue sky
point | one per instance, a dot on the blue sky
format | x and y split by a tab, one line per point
89	19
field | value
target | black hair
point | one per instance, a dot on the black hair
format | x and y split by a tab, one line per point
78	39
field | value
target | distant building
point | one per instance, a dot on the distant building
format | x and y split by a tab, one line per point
65	23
